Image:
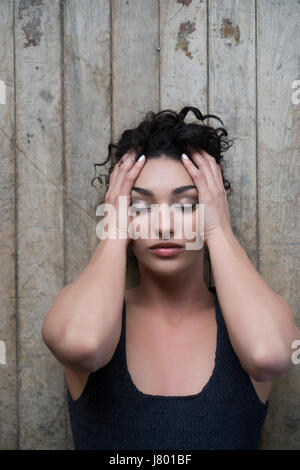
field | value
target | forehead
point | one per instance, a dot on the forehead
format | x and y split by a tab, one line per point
162	175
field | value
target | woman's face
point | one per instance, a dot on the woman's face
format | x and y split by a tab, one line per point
159	183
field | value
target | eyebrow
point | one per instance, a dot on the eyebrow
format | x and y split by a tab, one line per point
147	192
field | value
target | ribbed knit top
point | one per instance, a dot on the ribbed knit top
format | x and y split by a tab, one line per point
112	414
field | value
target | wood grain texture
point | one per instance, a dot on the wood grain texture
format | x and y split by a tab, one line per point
183	56
232	96
278	191
183	65
135	76
40	218
8	326
87	128
82	72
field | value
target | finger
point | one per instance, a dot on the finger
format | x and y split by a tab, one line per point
114	173
215	168
131	176
124	157
128	160
196	175
220	177
204	166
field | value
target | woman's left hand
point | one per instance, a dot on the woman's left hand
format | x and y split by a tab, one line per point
207	176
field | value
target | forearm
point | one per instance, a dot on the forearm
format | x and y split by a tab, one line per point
259	322
88	310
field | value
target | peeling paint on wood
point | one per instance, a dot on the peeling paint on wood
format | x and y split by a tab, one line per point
32	32
185	2
31	11
34	380
182	43
228	31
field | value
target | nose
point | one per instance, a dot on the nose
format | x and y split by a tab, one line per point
163	223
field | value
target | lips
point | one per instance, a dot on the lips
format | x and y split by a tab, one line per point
166	250
166	245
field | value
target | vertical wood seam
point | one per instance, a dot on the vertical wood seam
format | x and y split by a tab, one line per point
63	162
207	112
256	141
111	70
159	61
16	231
207	57
256	167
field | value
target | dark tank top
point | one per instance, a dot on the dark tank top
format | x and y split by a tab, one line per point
112	414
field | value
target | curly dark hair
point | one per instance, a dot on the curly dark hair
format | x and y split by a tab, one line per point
166	133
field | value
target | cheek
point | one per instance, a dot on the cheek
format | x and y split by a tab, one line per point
138	247
140	226
192	223
187	223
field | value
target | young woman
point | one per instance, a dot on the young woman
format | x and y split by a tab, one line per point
170	363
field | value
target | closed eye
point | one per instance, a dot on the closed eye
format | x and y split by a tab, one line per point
140	209
186	207
183	208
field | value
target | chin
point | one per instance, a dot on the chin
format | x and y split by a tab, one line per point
166	267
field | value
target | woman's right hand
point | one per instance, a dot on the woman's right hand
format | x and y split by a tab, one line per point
121	181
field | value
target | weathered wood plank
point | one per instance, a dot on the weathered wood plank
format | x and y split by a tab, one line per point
61	133
278	191
183	56
8	370
40	219
87	117
135	83
232	98
232	92
183	64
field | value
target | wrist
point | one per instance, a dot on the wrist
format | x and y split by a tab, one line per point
111	247
219	234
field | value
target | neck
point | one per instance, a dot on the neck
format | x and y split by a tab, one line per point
182	291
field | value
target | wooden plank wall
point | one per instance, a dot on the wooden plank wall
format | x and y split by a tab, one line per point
39	212
77	74
8	293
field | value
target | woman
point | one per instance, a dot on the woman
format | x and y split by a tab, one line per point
169	364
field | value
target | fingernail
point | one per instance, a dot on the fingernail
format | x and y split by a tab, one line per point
185	156
141	158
